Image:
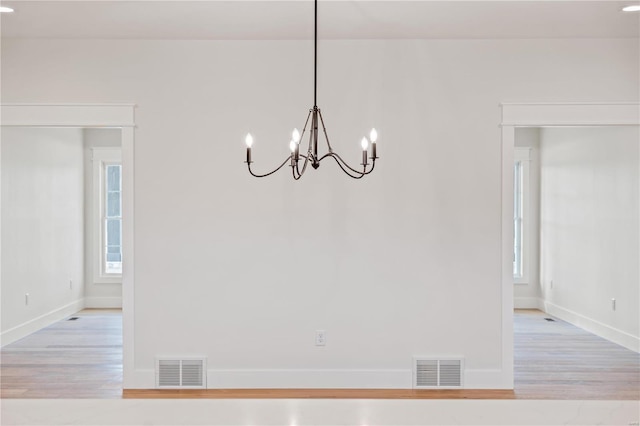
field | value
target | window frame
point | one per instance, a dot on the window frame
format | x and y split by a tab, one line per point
522	155
101	158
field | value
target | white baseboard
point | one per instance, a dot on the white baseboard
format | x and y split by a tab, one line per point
321	379
139	379
605	331
309	379
103	302
35	324
526	302
488	379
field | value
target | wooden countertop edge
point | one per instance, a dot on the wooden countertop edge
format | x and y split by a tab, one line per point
321	393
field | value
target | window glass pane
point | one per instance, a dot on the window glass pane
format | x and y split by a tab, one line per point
517	188
113	178
113	204
517	257
517	220
114	254
113	232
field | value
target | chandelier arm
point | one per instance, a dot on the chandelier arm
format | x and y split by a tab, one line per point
304	129
270	173
324	130
293	172
337	157
373	166
313	139
304	166
359	175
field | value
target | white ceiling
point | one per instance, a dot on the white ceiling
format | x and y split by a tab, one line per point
337	19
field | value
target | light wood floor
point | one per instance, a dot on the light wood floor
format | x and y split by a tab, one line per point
69	359
556	360
83	359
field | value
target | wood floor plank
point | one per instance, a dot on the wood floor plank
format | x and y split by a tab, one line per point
83	359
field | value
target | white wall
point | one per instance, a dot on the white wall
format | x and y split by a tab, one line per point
97	294
589	228
403	263
527	294
42	228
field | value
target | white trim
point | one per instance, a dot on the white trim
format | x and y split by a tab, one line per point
509	104
328	379
103	302
570	114
98	115
539	115
338	379
488	379
605	331
302	379
508	142
293	379
128	251
115	104
100	157
38	323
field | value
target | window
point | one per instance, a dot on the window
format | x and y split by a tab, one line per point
112	219
521	215
517	220
107	184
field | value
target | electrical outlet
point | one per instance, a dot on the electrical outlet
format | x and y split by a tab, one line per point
321	338
70	284
551	284
26	298
613	304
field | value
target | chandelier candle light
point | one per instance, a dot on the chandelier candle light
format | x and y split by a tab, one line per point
312	152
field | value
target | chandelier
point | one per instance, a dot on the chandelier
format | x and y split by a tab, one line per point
315	115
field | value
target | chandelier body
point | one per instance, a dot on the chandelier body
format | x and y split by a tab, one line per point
312	156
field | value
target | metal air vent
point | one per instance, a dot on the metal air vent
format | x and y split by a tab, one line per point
432	373
189	373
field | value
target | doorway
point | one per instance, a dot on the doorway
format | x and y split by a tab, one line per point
576	247
91	116
553	121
